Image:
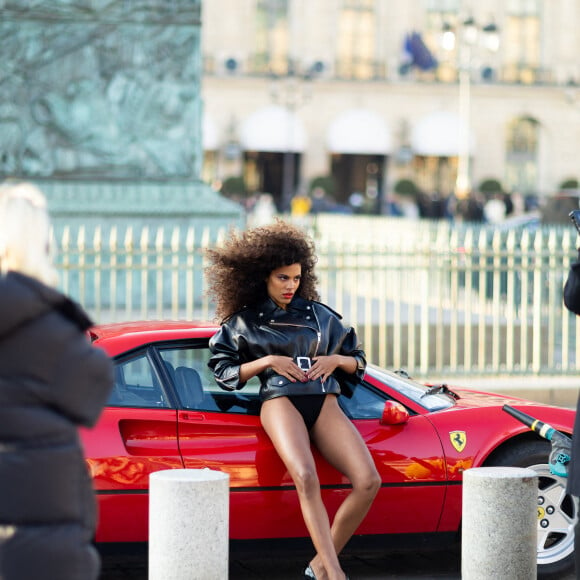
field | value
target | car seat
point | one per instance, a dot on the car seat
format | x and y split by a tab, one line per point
189	387
116	396
170	370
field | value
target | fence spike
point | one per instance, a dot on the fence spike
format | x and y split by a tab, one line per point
129	239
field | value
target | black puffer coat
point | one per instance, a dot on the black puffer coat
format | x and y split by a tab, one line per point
572	302
51	381
572	287
305	329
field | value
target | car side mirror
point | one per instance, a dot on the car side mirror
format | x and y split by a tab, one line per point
394	414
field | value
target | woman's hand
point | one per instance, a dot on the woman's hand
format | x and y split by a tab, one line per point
323	366
287	367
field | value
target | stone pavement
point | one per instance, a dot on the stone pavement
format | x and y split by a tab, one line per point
443	564
440	565
437	564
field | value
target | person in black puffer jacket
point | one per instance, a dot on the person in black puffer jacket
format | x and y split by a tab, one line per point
51	382
572	303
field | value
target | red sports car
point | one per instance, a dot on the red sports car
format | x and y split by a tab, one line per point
166	412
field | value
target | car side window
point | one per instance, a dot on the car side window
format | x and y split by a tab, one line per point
196	388
365	403
136	384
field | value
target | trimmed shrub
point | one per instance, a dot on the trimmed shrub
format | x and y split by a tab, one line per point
326	182
490	186
234	186
405	187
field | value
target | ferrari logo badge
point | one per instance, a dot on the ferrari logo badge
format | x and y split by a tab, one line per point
458	440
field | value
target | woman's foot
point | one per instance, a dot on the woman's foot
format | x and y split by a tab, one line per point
309	574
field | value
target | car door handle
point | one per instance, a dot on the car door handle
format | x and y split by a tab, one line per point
191	416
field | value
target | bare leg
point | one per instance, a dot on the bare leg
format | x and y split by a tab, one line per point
342	446
285	427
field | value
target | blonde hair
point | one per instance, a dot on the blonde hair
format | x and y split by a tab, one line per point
25	242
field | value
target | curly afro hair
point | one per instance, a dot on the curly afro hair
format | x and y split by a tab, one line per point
239	268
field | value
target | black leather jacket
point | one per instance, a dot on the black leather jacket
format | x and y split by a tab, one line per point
572	287
304	329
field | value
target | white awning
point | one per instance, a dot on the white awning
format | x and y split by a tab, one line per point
209	133
273	129
358	131
438	135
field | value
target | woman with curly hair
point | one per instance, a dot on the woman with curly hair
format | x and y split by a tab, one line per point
273	327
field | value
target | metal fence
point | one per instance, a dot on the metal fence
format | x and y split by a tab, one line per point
430	297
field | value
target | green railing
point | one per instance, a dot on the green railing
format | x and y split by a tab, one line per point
429	297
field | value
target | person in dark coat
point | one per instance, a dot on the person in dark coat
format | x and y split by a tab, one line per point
572	303
51	382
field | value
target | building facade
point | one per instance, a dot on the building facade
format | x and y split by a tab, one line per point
370	95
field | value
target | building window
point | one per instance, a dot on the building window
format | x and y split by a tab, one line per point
521	41
272	37
356	40
522	153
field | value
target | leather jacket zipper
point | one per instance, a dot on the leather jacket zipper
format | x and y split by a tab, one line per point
318	336
318	333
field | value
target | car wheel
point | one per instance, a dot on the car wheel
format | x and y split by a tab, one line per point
557	511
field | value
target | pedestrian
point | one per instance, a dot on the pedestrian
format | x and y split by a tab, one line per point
572	303
274	327
51	382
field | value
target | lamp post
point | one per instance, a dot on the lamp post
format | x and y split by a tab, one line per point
468	36
292	91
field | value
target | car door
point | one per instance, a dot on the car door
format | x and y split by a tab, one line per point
221	430
410	460
135	436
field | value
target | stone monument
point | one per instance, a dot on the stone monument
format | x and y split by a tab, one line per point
100	106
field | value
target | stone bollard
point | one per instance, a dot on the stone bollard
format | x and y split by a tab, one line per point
499	527
188	524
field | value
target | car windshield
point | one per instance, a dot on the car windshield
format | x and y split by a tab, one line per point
412	389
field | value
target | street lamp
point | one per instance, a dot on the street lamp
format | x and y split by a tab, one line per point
292	91
467	39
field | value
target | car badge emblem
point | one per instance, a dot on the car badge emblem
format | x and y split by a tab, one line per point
458	440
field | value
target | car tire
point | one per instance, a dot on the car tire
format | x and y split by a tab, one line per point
556	529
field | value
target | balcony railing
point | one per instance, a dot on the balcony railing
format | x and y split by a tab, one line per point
258	65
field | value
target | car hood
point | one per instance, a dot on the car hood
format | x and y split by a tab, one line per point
474	398
469	399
